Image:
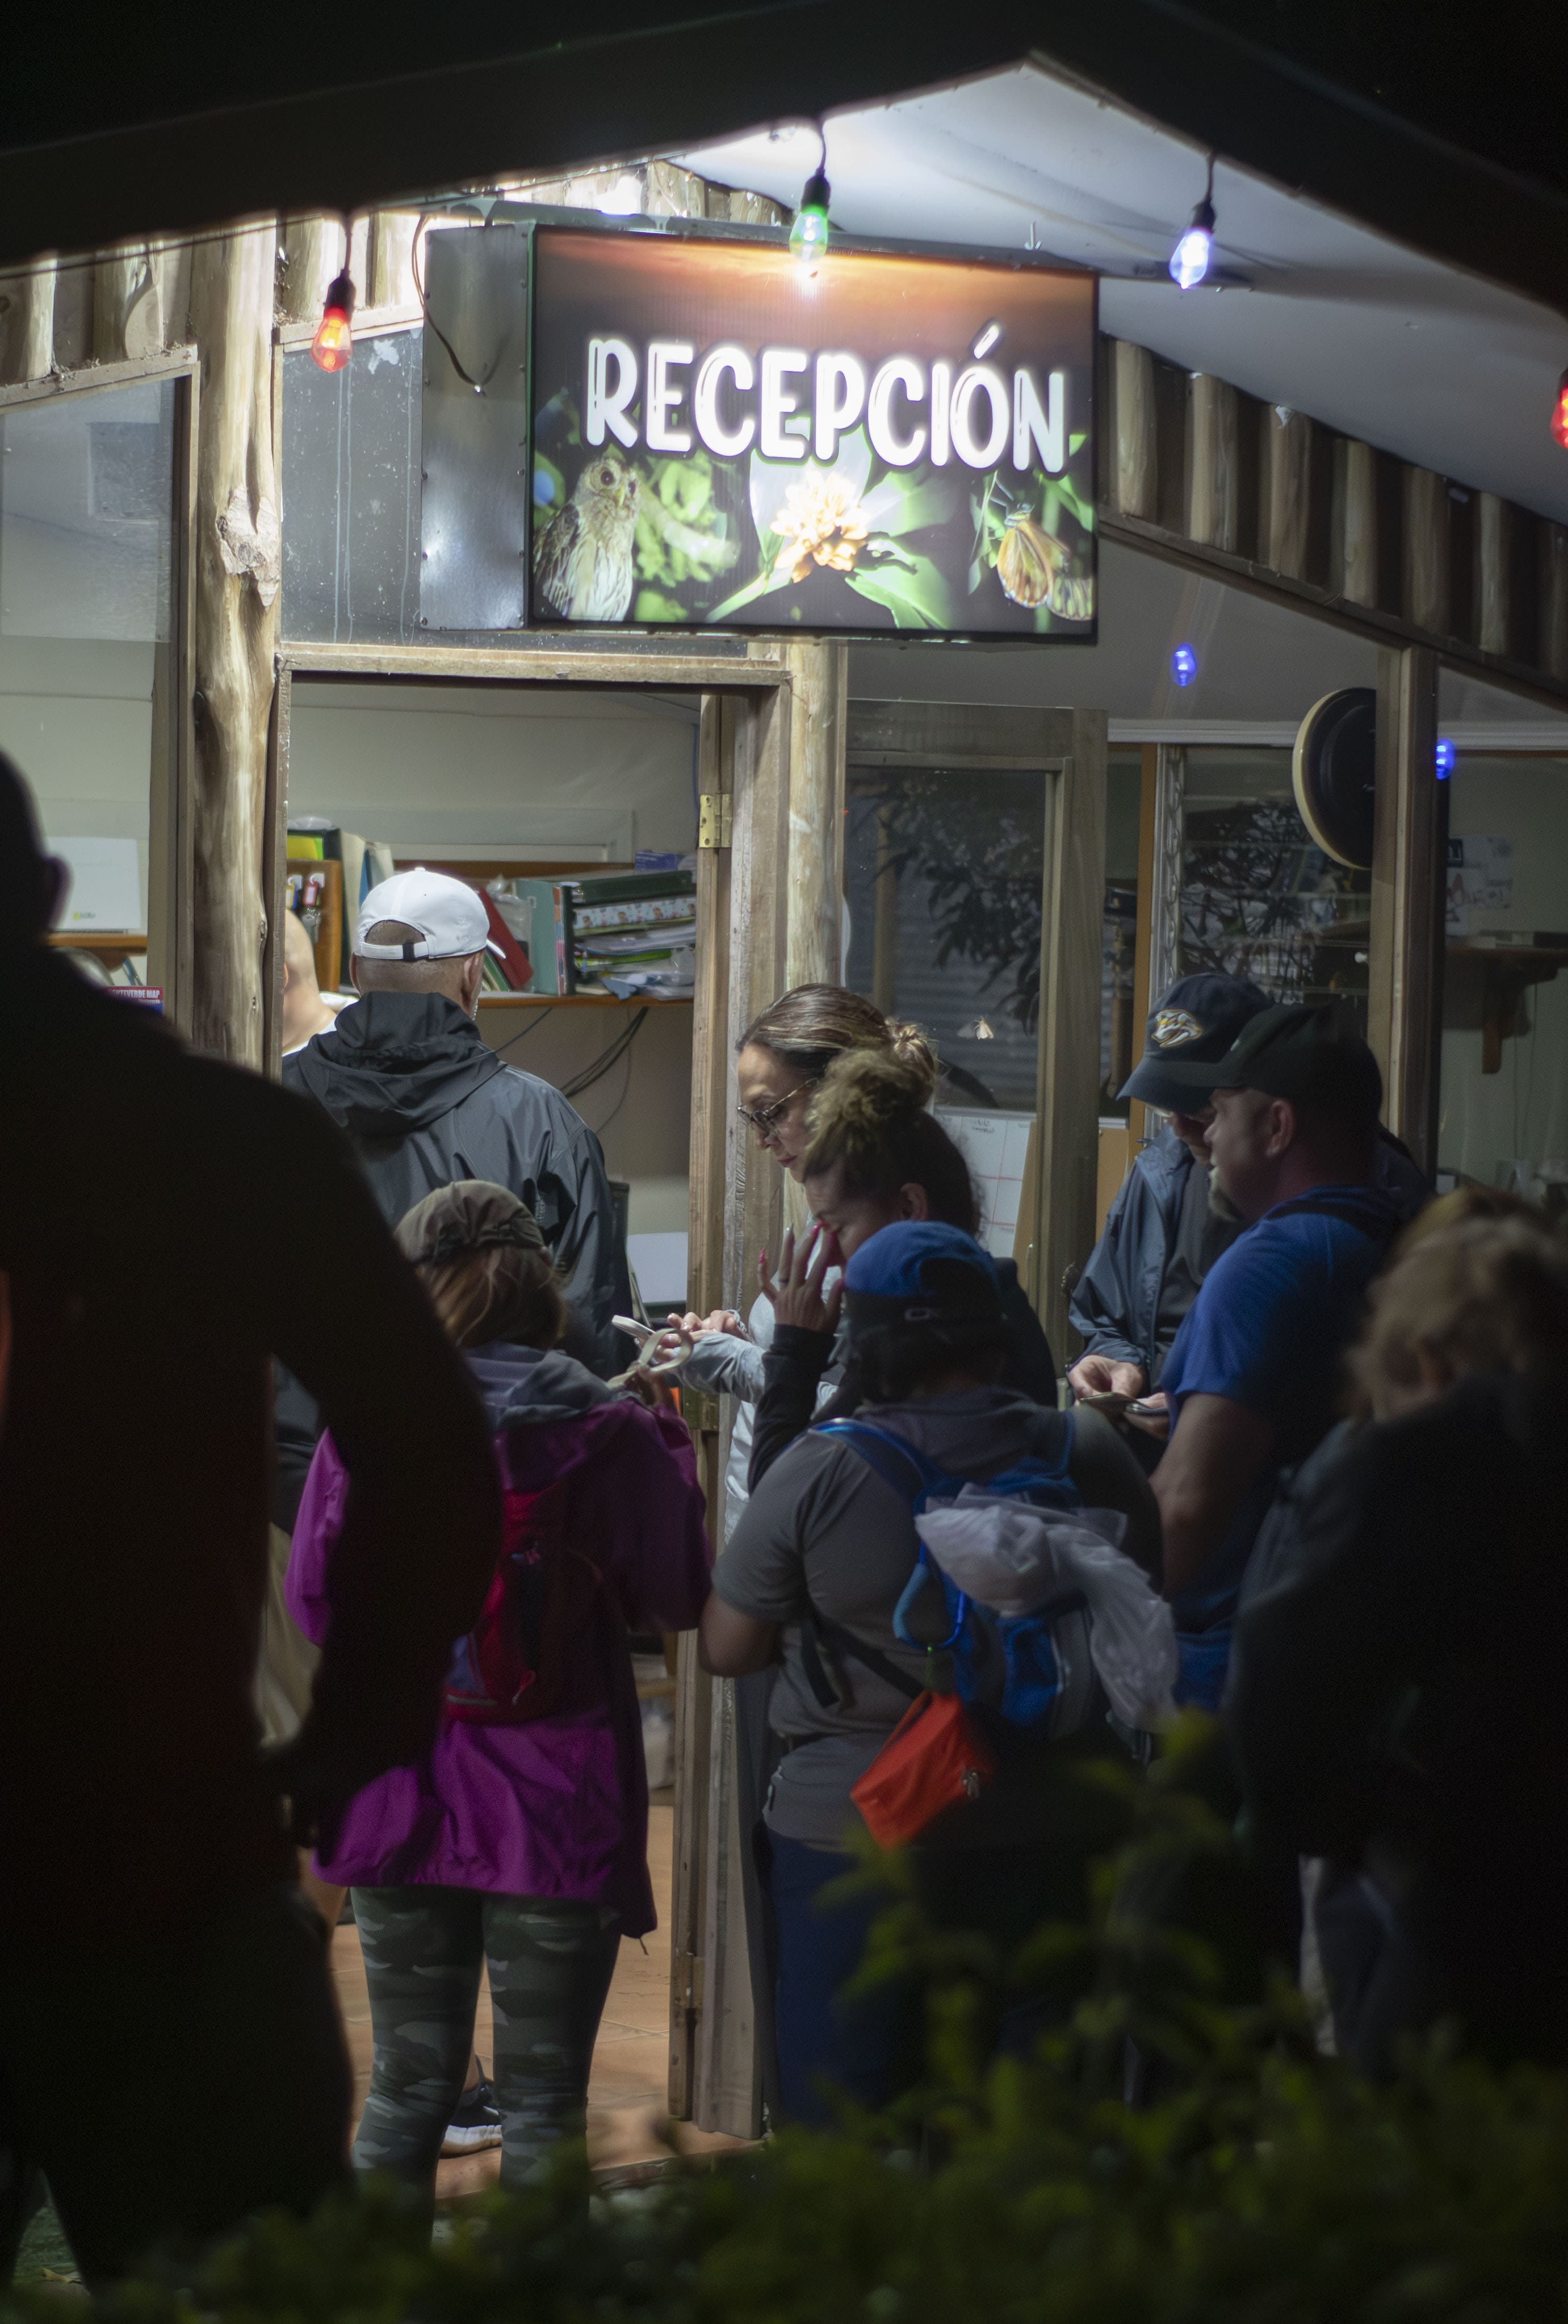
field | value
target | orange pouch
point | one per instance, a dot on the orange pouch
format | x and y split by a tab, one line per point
934	1757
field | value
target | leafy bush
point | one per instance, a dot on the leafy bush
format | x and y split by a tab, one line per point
1265	2185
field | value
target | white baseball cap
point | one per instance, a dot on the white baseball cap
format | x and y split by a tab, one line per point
449	916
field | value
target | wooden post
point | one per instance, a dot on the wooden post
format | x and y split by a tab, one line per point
1493	595
1068	1076
1214	482
1552	651
1405	973
710	1093
390	267
238	565
27	343
885	916
312	256
1353	557
1287	494
1133	469
819	675
1139	1126
1426	550
726	2083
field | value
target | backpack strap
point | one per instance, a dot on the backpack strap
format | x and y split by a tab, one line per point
817	1632
913	1479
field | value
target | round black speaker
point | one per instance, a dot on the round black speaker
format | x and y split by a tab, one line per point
1332	770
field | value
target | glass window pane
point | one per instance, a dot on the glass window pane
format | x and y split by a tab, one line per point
351	494
1259	898
86	536
1503	1115
944	874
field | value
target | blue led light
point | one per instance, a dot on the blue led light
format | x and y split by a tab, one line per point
1445	757
1183	666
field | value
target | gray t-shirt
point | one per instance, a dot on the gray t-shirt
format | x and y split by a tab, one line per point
823	1527
1185	1268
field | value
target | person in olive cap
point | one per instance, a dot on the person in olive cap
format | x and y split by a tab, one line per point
1253	1376
1161	1236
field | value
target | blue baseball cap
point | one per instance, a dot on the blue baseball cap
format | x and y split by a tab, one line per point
1190	1029
921	1272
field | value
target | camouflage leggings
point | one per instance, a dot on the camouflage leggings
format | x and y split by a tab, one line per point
550	1964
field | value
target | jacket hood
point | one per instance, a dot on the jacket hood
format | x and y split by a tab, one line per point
974	1431
393	1063
524	1387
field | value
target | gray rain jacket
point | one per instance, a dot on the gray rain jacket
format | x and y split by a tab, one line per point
424	1101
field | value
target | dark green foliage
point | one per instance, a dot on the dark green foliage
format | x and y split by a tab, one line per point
1266	2186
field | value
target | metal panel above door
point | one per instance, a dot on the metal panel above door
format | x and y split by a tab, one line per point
474	494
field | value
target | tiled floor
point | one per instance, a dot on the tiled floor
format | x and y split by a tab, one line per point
627	2091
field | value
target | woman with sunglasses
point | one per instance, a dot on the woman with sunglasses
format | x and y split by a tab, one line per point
781	1059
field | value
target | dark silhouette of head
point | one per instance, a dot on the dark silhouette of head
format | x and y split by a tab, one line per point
30	882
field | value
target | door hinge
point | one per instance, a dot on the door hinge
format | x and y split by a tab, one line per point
692	1983
699	1408
713	828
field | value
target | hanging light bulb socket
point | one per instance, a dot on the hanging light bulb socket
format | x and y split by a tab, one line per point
1559	412
332	348
1189	261
809	235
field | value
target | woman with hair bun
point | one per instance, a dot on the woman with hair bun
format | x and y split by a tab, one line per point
873	1154
782	1058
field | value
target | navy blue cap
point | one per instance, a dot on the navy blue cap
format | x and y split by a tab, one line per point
1190	1030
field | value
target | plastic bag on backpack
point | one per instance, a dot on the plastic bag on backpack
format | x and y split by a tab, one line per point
1011	1556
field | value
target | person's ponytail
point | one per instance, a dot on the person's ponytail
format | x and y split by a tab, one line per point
870	1120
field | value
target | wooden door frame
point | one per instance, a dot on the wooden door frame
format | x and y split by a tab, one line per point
743	891
1068	747
171	829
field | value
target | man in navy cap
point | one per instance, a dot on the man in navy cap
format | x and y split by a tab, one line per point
1253	1376
1161	1236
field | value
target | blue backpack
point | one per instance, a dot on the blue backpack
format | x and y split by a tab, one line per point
1034	1669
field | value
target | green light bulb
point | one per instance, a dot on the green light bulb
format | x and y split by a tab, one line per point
809	235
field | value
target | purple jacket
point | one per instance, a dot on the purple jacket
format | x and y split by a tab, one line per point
558	1807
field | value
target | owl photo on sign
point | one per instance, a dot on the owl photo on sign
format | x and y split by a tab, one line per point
1028	564
582	559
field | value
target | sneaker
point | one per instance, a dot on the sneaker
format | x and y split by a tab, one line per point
475	2121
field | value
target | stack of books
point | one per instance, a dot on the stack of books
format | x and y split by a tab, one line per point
628	933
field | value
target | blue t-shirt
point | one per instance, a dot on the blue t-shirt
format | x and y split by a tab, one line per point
1268	1329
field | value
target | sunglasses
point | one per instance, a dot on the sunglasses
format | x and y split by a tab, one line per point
765	1119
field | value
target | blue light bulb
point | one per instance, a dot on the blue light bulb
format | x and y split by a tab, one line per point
1189	261
1446	757
1183	666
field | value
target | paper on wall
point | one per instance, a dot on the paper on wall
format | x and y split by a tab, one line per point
1480	879
996	1146
105	889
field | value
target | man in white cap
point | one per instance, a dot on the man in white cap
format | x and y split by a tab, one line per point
426	1101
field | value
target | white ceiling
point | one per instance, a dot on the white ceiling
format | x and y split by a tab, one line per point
1369	336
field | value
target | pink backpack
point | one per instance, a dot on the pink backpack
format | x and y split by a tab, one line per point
512	1665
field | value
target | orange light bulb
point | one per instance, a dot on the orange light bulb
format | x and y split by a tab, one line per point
1559	412
332	348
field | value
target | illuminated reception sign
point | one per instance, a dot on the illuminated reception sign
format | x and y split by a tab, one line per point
720	437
